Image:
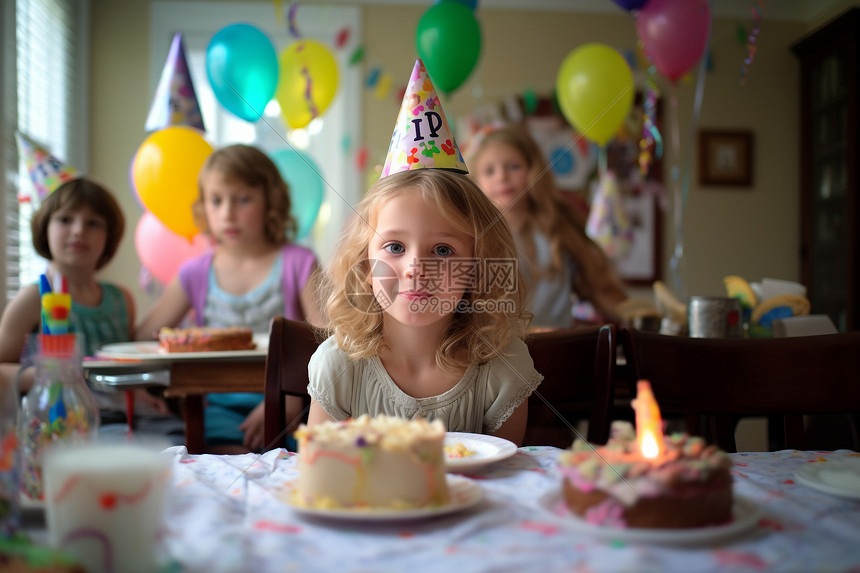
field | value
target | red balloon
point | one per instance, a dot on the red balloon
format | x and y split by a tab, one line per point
161	250
674	34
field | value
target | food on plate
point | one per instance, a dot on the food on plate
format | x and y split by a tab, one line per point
459	450
205	339
369	463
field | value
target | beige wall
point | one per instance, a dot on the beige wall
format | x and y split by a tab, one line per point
751	232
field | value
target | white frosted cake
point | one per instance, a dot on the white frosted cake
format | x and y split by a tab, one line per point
371	463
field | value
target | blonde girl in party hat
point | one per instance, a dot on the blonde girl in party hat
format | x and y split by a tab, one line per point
426	313
557	258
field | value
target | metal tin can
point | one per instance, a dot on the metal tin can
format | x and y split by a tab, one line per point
714	317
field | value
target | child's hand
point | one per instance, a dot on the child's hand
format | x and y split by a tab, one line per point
141	396
253	428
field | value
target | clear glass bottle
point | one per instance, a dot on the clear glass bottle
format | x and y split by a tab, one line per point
9	461
59	406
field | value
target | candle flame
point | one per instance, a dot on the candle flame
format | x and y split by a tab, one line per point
649	423
649	446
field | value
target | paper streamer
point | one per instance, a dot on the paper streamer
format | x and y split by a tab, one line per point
651	136
751	40
291	20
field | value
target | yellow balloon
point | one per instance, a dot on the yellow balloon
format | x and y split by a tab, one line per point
595	91
165	175
307	82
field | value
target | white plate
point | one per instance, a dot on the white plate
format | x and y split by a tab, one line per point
836	477
745	511
148	350
488	449
463	492
31	504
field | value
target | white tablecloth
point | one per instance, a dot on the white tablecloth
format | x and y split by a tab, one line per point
225	514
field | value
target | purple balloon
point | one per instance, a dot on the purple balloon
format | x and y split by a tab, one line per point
630	4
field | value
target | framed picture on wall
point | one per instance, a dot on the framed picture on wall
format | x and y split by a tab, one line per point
726	158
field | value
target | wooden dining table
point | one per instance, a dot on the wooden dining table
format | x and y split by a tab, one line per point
233	513
186	379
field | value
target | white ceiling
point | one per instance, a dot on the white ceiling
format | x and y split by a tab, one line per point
796	10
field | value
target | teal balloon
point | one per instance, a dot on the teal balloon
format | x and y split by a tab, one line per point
448	40
306	186
243	70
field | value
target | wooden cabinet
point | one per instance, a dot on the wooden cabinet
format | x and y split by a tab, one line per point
829	131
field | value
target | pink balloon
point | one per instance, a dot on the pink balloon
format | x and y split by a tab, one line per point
674	34
161	250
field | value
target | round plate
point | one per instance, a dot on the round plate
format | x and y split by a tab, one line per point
148	350
836	477
745	511
28	503
488	449
463	492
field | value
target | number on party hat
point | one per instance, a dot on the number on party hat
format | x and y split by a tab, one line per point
422	138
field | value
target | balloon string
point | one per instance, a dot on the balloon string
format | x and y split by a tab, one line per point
678	212
681	181
601	162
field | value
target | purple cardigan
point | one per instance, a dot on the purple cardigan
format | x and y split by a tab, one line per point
298	263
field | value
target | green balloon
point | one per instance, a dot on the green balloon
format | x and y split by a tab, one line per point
448	40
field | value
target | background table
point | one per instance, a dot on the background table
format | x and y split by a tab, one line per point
226	514
189	380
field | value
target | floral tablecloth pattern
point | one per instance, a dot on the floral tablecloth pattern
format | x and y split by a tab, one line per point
228	514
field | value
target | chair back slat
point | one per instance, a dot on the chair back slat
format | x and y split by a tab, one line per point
291	345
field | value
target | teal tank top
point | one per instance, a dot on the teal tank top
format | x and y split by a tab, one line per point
103	324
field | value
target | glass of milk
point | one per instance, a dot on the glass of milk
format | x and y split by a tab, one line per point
105	501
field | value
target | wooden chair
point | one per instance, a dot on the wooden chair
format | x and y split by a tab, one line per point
579	371
291	344
716	380
578	368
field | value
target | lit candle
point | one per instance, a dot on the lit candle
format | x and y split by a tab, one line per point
649	424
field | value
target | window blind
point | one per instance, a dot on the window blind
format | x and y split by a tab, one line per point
43	80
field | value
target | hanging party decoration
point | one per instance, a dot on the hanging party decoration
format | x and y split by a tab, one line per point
161	250
674	34
448	40
165	175
308	84
341	38
291	21
594	87
357	56
243	70
175	101
750	40
306	187
651	139
608	224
